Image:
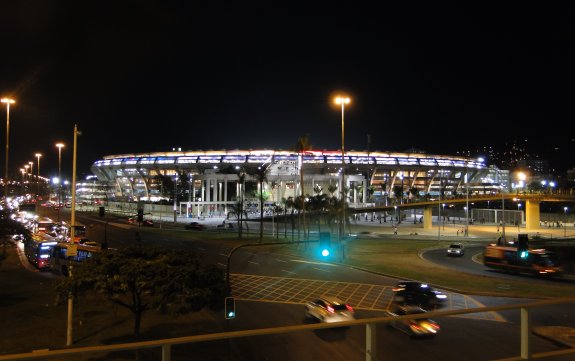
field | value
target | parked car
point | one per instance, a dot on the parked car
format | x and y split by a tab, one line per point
455	249
195	226
421	327
329	309
418	294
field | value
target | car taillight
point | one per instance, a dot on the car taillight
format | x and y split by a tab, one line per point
330	309
349	308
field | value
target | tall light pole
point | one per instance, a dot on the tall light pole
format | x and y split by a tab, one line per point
565	223
342	101
60	146
70	329
7	101
31	170
38	155
466	204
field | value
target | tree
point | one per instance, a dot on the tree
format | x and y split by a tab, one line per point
142	279
303	145
261	176
238	210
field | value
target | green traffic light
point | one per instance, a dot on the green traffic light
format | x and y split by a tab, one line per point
325	252
523	254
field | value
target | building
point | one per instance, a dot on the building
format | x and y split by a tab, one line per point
210	181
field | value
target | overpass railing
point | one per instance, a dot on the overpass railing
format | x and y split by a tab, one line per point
524	352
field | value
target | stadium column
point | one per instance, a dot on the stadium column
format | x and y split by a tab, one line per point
532	215
427	218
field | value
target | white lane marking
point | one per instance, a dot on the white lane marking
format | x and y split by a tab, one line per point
319	269
293	273
281	260
221	264
252	262
310	262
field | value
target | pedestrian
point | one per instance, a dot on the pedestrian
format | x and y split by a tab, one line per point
458	232
395	230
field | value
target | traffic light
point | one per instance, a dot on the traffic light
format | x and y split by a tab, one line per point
522	240
324	243
230	307
140	215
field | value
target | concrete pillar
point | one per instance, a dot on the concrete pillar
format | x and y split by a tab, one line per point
532	215
427	218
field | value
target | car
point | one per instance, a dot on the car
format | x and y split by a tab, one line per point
415	328
418	294
144	223
147	223
455	249
196	226
329	309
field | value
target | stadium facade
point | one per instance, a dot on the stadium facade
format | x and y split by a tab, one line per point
210	181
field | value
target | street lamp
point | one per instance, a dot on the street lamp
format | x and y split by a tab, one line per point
7	101
342	101
60	146
38	155
443	216
520	217
521	184
565	222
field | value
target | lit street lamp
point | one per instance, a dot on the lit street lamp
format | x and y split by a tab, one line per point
520	217
38	155
7	101
565	222
60	146
342	101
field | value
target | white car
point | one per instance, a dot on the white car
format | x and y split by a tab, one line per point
329	309
455	249
421	327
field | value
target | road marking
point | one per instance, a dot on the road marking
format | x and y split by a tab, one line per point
252	262
360	295
281	260
319	269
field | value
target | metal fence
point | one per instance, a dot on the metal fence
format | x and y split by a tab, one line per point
524	353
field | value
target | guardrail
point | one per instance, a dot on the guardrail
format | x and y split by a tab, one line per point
370	335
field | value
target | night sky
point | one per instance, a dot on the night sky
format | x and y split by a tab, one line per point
146	76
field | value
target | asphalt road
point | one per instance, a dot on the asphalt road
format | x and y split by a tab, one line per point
460	337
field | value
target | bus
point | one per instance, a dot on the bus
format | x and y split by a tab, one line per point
538	261
44	225
38	250
60	261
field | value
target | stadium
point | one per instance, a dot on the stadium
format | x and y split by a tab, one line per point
210	181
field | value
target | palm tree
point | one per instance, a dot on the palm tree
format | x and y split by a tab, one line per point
303	145
237	209
261	177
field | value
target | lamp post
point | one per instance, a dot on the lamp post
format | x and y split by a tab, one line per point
521	184
342	101
466	204
7	101
38	155
565	223
520	217
443	205
31	170
60	146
